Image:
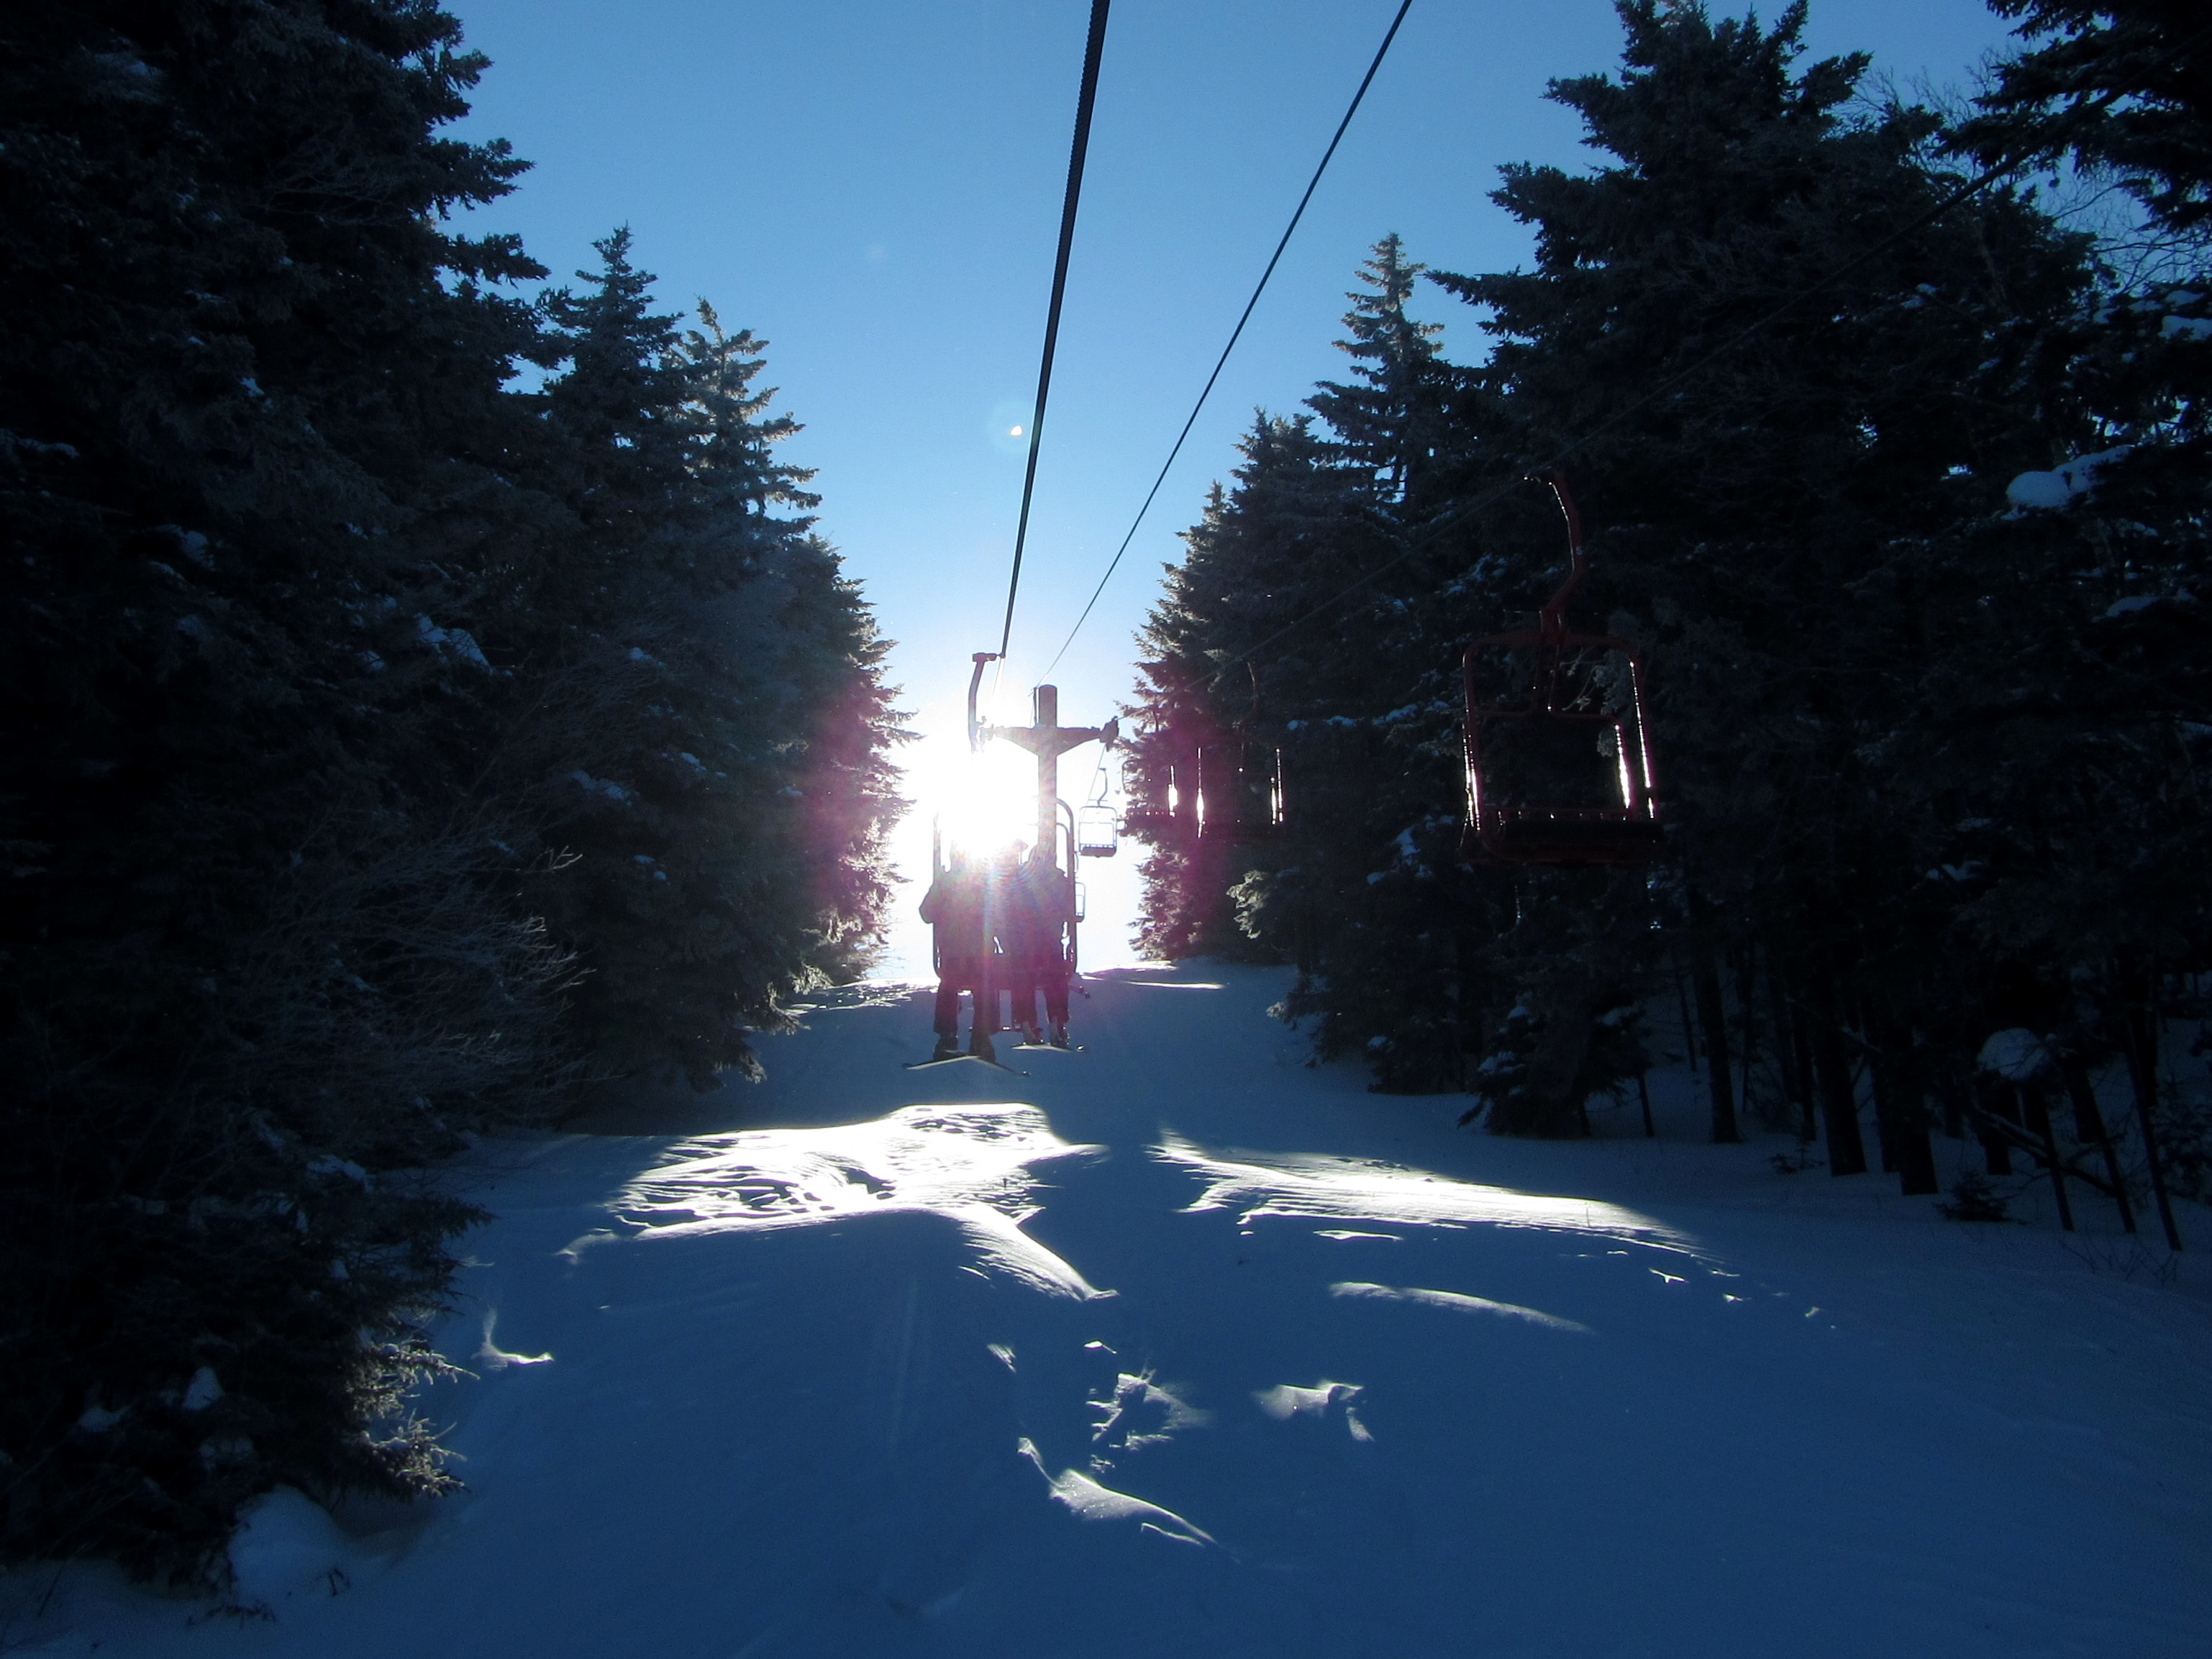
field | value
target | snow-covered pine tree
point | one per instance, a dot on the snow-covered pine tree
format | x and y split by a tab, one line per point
1774	511
259	941
1264	547
710	736
1806	527
311	631
2092	873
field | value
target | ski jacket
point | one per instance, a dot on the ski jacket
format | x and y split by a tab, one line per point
954	906
1034	929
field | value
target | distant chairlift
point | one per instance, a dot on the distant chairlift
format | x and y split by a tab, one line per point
1240	790
1230	791
1097	831
1097	825
1559	754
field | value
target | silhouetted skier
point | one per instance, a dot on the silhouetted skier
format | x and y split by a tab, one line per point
954	909
1035	940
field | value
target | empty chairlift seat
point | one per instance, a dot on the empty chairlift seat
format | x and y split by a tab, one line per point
1558	753
1240	791
1097	830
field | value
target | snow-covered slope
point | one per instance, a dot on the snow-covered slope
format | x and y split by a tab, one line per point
1177	1347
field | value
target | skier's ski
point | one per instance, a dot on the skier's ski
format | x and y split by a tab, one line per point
955	1060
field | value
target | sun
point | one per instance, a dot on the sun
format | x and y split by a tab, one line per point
976	803
987	803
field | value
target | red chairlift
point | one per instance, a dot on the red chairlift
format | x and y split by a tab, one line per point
1240	790
1558	750
1227	787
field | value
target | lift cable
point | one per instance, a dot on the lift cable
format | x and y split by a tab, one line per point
1084	102
1235	334
1437	526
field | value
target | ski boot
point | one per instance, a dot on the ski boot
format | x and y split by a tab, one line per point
948	1047
1059	1035
979	1046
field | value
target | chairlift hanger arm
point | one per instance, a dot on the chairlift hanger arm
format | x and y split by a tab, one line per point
1553	619
978	732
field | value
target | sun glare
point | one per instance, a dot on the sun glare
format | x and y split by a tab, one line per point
978	803
987	803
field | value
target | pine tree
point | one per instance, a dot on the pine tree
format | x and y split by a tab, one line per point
1807	528
259	942
708	734
336	671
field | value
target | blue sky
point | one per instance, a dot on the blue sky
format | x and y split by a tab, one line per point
874	188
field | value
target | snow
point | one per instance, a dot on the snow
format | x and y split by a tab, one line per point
287	1547
2017	1056
450	641
2048	491
1178	1346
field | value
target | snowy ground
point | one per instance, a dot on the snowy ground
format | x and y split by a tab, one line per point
1178	1347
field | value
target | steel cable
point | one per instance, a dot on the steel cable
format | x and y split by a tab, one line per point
1236	333
1085	99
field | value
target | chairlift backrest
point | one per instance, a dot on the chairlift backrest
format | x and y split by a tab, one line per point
1559	754
1240	790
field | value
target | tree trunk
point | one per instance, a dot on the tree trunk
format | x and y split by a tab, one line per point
2138	1020
1747	982
1900	1110
1798	1060
2038	1124
1993	1097
1689	1029
2089	1127
1555	1066
1712	1014
1831	1065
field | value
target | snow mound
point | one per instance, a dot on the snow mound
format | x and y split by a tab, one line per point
1324	1402
1089	1501
2048	492
969	1164
1319	1187
287	1545
1458	1303
2018	1055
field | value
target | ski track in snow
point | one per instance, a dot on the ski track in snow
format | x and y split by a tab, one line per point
919	1376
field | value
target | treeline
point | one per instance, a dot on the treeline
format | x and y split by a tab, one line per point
420	700
1901	489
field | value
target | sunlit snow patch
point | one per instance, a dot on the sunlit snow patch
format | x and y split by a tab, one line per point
1324	1401
1141	1413
1455	1301
1092	1502
1314	1186
493	1357
969	1163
